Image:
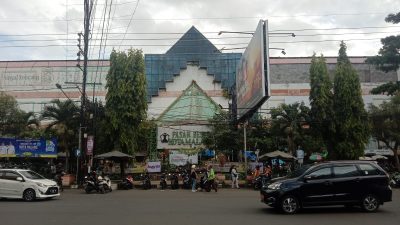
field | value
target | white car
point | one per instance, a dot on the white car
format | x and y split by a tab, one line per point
26	184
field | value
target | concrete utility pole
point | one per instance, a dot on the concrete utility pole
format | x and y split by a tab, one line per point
82	125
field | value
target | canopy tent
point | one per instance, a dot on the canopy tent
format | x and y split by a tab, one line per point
276	154
116	156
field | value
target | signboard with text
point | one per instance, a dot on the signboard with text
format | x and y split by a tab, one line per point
153	167
180	137
11	147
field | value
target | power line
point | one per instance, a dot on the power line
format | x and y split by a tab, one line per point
133	13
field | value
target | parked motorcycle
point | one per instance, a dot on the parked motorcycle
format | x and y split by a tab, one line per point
174	181
205	184
146	184
395	180
163	181
58	180
91	184
259	181
126	183
105	182
186	180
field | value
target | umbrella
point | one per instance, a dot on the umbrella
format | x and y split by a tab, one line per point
117	156
315	157
277	154
364	158
114	155
375	157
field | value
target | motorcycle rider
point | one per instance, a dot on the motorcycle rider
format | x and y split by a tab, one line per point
211	177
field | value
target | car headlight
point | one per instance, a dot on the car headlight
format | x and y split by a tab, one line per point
41	185
275	186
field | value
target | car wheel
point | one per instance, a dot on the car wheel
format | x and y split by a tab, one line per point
370	203
29	195
289	204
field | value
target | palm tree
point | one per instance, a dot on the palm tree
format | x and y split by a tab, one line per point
290	119
63	118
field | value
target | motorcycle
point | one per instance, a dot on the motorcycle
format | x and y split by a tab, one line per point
146	184
204	184
395	180
174	181
259	181
105	182
126	183
58	180
91	184
163	181
186	180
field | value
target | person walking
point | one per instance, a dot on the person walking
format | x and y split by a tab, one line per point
193	176
234	176
211	178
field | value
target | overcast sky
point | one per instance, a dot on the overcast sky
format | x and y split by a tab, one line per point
52	25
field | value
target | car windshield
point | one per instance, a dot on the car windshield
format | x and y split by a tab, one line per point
31	175
298	172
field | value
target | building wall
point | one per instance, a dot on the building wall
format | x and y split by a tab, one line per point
174	89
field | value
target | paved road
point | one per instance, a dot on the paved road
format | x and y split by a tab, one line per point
139	207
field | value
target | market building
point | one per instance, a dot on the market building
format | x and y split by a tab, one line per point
186	86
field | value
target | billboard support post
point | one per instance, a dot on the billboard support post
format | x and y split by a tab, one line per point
245	145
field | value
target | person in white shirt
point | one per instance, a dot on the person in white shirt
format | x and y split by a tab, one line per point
3	149
235	176
10	149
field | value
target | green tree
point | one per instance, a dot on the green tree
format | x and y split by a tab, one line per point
321	101
385	121
223	137
351	119
126	102
14	121
62	118
289	119
388	58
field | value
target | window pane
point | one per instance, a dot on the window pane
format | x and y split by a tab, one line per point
10	176
369	169
321	173
345	171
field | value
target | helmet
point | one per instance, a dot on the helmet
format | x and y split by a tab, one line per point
193	166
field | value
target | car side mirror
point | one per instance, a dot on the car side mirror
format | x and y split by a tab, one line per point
20	179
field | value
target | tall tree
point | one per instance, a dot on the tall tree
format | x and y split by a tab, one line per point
224	137
385	121
388	58
289	119
62	118
126	102
351	119
321	101
13	120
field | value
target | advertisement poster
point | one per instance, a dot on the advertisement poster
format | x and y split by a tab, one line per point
180	159
11	147
153	167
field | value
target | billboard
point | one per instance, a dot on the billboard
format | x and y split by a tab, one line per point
252	84
11	147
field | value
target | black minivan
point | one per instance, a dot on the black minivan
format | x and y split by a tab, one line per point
347	183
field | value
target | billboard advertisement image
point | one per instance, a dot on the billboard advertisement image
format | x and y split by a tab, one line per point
250	74
11	147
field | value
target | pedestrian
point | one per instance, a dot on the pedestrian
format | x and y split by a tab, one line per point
211	178
193	176
234	176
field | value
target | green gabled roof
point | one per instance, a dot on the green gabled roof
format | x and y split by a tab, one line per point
194	106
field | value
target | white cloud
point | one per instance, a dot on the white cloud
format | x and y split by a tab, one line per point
177	16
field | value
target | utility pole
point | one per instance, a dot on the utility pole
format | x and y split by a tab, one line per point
82	125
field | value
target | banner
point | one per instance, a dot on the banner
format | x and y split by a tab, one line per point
180	159
89	145
153	167
11	147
